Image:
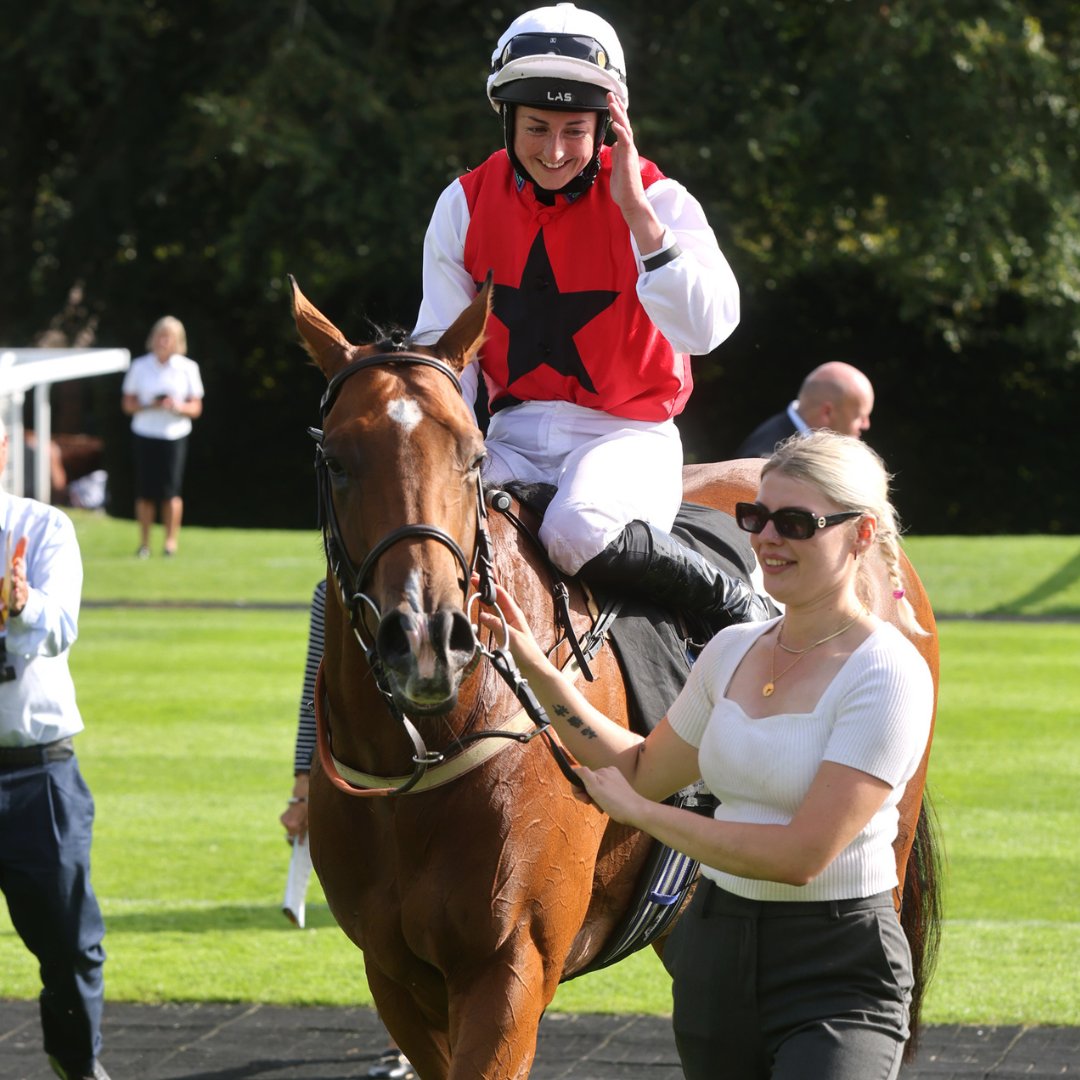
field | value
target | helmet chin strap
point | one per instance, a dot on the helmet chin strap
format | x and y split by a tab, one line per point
580	183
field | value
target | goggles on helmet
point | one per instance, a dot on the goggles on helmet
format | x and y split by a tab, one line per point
577	46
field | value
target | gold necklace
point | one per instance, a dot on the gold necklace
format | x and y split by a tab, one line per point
770	687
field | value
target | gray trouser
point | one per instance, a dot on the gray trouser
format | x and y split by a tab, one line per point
789	991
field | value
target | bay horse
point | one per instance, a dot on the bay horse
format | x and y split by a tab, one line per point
464	868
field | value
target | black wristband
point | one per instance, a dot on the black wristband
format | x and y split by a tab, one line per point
654	262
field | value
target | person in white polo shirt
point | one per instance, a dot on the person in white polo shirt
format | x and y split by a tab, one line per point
162	393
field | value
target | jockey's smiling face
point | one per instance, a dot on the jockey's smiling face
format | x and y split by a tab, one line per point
554	146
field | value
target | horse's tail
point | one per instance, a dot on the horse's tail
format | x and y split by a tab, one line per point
920	912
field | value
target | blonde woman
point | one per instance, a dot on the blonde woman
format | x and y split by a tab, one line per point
791	961
163	394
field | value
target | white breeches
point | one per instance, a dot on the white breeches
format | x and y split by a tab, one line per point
608	470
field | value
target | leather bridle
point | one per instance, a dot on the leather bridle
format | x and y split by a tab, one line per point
350	581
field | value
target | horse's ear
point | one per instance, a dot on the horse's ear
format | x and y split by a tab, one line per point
463	340
325	343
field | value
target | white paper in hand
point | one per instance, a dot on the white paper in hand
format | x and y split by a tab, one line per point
297	883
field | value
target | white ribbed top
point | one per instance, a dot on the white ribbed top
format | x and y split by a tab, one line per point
875	716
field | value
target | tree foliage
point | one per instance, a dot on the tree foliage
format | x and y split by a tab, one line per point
895	184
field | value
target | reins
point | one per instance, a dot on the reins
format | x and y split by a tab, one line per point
430	768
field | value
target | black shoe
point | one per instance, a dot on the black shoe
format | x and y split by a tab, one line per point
392	1065
97	1072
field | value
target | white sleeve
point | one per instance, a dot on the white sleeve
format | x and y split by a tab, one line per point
133	378
448	286
692	710
693	298
49	623
470	379
195	384
883	712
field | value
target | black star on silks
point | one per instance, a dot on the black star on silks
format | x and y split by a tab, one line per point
542	321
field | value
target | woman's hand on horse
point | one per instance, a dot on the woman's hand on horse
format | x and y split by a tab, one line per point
520	641
611	792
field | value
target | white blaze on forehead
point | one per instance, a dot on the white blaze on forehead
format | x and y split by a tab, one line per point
406	412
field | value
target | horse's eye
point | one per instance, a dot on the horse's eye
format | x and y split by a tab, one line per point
334	467
477	462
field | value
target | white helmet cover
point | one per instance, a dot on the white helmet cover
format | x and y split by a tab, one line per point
602	67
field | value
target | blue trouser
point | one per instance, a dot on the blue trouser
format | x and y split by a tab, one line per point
784	991
46	822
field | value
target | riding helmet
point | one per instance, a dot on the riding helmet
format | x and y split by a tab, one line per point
563	58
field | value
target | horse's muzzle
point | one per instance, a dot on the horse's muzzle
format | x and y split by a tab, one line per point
425	656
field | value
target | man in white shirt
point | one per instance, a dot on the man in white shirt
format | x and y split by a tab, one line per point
46	809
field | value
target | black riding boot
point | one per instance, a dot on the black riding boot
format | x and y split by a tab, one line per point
653	564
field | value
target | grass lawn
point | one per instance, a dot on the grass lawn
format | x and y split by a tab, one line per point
1001	576
190	716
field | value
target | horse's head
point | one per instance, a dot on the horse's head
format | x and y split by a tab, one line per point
399	465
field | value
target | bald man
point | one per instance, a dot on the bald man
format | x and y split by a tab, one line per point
835	395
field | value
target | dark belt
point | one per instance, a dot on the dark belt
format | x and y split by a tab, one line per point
718	901
21	757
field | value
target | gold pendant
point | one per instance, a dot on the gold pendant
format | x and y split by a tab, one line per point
767	689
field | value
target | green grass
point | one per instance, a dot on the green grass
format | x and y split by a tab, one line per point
1004	771
190	718
999	575
235	565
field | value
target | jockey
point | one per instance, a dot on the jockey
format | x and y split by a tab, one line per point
607	278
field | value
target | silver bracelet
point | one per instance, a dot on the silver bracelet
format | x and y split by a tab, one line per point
296	799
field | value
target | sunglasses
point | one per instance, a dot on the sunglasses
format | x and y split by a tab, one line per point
791	523
576	45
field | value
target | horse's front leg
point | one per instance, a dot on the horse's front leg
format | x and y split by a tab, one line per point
495	1017
423	1038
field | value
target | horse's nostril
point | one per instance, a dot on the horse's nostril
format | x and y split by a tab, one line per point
405	640
461	638
392	639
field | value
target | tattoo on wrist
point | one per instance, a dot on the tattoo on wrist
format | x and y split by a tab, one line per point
583	728
574	721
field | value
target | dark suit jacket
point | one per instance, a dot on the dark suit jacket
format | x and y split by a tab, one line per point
761	442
